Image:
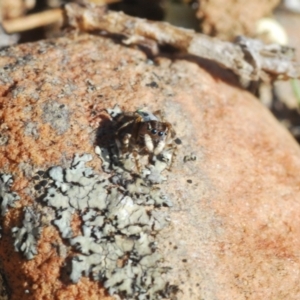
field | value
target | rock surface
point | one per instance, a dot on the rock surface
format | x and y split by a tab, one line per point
234	230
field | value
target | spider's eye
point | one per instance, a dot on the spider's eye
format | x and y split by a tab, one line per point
153	131
161	133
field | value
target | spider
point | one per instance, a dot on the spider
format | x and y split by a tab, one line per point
142	133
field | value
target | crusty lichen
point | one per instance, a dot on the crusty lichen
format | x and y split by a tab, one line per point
119	220
57	115
76	187
26	237
117	227
7	197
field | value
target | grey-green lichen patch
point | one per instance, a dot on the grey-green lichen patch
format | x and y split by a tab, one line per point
31	129
63	222
120	216
143	188
76	187
7	197
57	115
26	237
119	223
117	231
4	138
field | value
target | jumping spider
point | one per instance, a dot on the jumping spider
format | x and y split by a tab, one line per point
142	133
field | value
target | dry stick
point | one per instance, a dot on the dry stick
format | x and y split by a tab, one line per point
33	21
248	58
41	19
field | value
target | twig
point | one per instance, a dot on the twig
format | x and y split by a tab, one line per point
33	21
42	18
248	58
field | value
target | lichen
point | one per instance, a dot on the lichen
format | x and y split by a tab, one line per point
7	197
63	222
120	217
31	129
57	115
4	138
26	237
77	187
117	244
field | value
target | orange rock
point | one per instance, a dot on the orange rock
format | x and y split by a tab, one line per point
234	230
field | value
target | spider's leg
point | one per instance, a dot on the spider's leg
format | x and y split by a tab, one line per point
137	162
172	148
126	142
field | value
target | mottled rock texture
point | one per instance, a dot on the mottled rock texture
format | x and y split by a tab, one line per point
235	220
228	19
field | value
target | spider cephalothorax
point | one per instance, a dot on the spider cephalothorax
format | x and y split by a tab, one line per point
152	136
143	133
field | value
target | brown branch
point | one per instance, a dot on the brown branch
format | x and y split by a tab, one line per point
33	21
42	18
248	58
